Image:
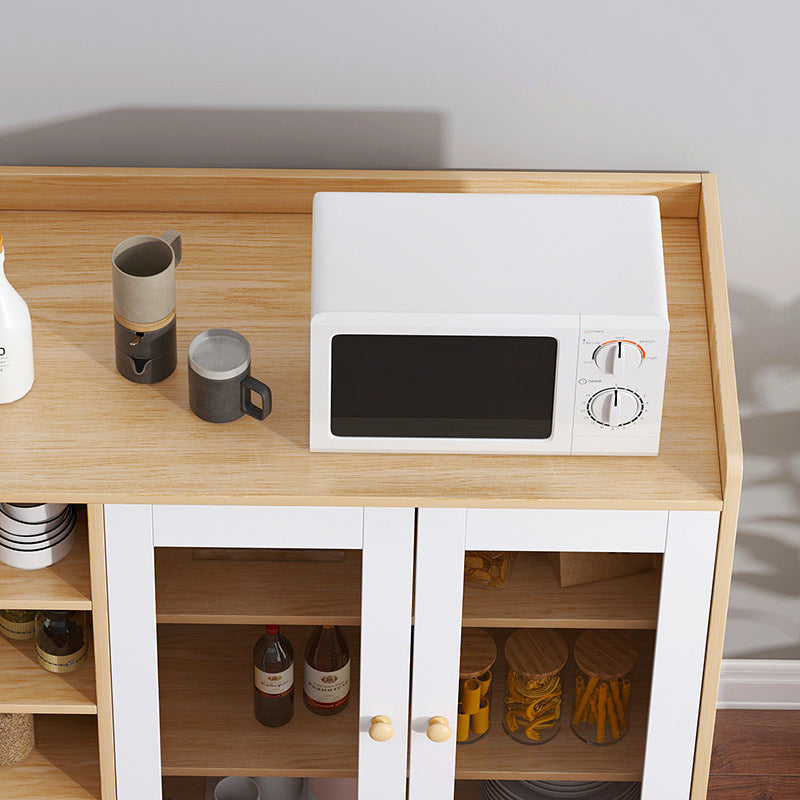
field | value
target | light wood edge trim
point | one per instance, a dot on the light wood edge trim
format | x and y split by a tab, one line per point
144	327
292	191
731	462
102	651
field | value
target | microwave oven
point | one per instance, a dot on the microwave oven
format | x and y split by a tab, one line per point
487	323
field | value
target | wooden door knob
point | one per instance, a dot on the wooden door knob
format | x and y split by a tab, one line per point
438	729
381	729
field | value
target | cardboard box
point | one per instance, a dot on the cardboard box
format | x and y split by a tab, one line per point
572	569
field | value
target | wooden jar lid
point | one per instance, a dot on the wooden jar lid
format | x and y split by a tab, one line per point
478	653
536	652
605	655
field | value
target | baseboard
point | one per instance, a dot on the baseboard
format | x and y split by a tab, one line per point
759	683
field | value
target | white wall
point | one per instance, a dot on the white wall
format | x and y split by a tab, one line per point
510	83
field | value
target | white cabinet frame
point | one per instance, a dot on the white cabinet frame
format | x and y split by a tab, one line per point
386	538
688	540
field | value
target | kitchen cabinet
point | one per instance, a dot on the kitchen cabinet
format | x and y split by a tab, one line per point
170	702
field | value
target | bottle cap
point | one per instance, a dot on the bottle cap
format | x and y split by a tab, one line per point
273	629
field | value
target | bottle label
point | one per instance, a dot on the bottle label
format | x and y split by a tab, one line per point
66	663
274	684
327	689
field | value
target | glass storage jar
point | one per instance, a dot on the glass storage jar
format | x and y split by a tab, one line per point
62	640
17	624
534	687
478	654
16	738
488	568
605	660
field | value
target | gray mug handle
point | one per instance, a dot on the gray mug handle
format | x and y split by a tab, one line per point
173	239
251	384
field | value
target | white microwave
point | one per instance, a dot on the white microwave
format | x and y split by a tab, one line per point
487	323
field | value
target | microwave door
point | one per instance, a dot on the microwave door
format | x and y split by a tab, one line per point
411	386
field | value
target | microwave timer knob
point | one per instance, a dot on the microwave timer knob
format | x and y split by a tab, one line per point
619	357
615	407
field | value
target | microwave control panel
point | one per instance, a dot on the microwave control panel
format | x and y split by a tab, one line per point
619	390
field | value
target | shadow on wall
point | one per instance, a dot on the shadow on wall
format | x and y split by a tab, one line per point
767	349
230	137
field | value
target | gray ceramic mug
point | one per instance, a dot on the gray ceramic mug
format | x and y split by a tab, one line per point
220	384
143	278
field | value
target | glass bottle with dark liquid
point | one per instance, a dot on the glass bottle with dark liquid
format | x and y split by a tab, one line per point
326	680
273	671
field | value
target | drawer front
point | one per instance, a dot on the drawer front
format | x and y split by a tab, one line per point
567	530
258	526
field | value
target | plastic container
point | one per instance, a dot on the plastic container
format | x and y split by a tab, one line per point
605	660
534	685
17	738
62	640
488	568
478	654
16	341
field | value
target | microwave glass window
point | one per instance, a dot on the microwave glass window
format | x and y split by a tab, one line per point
493	387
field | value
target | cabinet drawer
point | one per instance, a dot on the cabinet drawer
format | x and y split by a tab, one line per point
258	526
566	530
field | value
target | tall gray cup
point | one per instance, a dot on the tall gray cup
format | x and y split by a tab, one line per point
143	278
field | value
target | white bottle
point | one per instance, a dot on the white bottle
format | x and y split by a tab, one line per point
16	341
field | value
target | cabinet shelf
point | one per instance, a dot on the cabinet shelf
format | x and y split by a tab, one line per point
567	758
532	598
207	722
257	592
26	688
64	765
62	586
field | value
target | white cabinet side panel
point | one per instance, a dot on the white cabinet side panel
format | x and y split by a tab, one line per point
437	649
386	586
258	526
566	530
680	654
134	661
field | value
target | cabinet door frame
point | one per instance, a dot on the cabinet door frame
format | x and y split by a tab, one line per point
688	541
386	538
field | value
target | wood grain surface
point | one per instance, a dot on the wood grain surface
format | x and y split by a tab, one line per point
63	766
207	722
27	688
478	652
606	655
62	586
731	465
533	598
536	653
257	592
85	433
291	191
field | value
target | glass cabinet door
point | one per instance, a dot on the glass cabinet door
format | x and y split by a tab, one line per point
517	616
192	590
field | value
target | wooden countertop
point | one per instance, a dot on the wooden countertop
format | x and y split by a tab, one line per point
85	434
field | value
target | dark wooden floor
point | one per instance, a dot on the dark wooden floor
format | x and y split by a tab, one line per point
756	756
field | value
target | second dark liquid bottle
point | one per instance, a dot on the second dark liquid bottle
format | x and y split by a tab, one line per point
273	689
326	683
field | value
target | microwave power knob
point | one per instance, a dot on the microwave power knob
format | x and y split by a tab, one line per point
615	407
619	357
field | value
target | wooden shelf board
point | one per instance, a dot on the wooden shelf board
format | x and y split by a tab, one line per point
207	722
62	586
532	598
163	453
64	765
498	757
26	688
257	592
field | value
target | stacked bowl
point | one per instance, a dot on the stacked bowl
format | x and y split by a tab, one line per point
542	790
33	536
